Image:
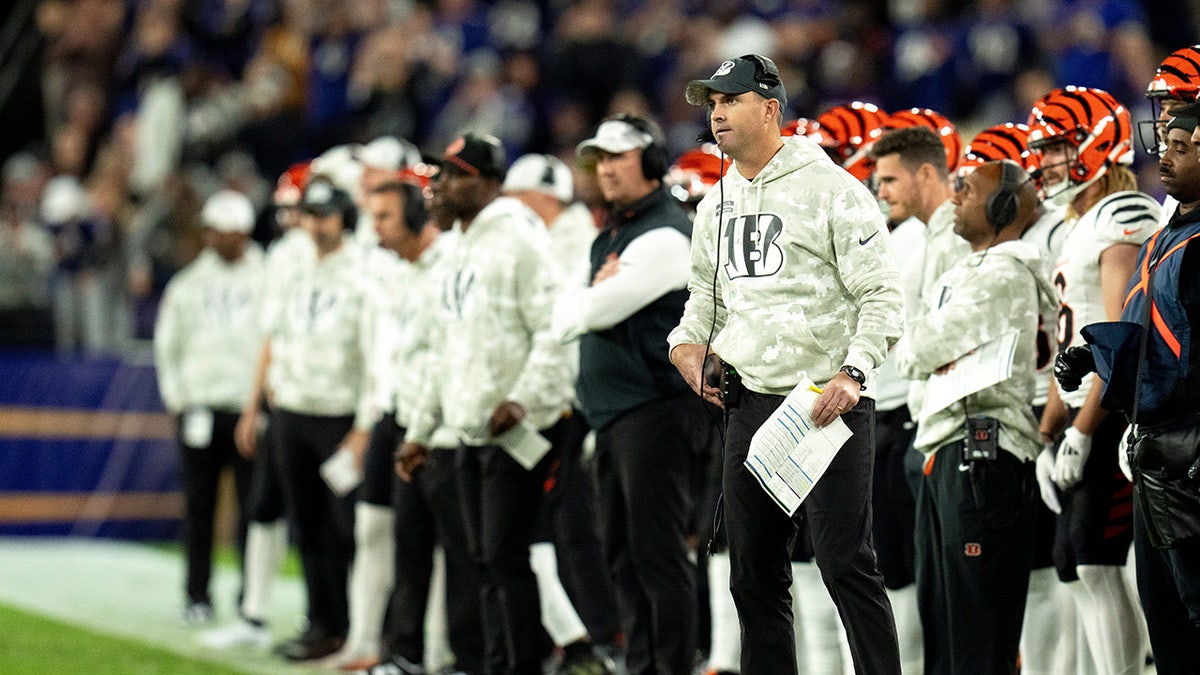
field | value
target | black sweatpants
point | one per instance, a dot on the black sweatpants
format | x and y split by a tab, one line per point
570	513
324	523
265	503
427	513
501	503
760	540
975	539
1168	583
644	489
201	472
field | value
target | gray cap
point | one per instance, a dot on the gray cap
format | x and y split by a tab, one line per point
745	73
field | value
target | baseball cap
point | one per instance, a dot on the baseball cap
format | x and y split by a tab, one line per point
228	211
1184	122
546	174
476	155
745	73
1187	110
389	153
615	136
322	197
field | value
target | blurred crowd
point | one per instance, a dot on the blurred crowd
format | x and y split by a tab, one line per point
148	106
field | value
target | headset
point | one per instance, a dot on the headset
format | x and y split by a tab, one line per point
654	155
765	71
1002	205
415	213
349	211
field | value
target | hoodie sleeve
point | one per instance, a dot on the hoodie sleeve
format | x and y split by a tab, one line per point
868	271
704	313
972	312
169	331
539	385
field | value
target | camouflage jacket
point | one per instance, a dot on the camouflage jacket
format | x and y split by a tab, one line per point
490	338
984	297
805	278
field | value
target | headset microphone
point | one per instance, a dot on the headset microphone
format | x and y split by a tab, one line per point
706	136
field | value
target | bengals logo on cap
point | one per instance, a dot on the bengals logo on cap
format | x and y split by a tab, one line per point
724	69
972	550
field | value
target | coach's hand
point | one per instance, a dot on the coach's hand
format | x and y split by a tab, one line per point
506	416
839	396
689	361
409	458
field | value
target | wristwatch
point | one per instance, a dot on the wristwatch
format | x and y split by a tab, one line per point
856	375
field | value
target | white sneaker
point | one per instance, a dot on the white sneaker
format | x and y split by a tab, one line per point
241	633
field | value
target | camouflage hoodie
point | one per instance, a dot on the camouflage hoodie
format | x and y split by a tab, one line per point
807	282
490	328
984	297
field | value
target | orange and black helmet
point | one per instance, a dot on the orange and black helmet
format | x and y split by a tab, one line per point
1091	122
847	133
939	123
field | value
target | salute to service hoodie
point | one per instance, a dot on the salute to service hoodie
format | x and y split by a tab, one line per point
805	278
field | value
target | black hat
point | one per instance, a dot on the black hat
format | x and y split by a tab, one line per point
322	197
476	155
1187	110
1184	122
745	73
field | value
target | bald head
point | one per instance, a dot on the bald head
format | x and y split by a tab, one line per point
994	203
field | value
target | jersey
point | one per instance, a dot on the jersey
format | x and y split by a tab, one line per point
1125	217
1047	233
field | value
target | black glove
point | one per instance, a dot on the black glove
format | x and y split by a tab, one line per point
1071	365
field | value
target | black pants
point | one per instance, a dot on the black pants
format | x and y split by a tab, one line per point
379	463
570	515
201	469
428	512
1169	587
265	503
645	495
894	507
501	502
839	515
975	539
324	523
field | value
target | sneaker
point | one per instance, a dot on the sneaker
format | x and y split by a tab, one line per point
241	633
311	645
197	614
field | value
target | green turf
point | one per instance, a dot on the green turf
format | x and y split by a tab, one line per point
32	644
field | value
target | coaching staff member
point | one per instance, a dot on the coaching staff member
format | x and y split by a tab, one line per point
805	284
641	409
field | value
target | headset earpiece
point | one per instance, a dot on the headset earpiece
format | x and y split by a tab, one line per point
654	155
415	213
1002	205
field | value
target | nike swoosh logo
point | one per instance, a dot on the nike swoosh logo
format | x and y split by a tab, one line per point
964	467
1129	232
863	242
